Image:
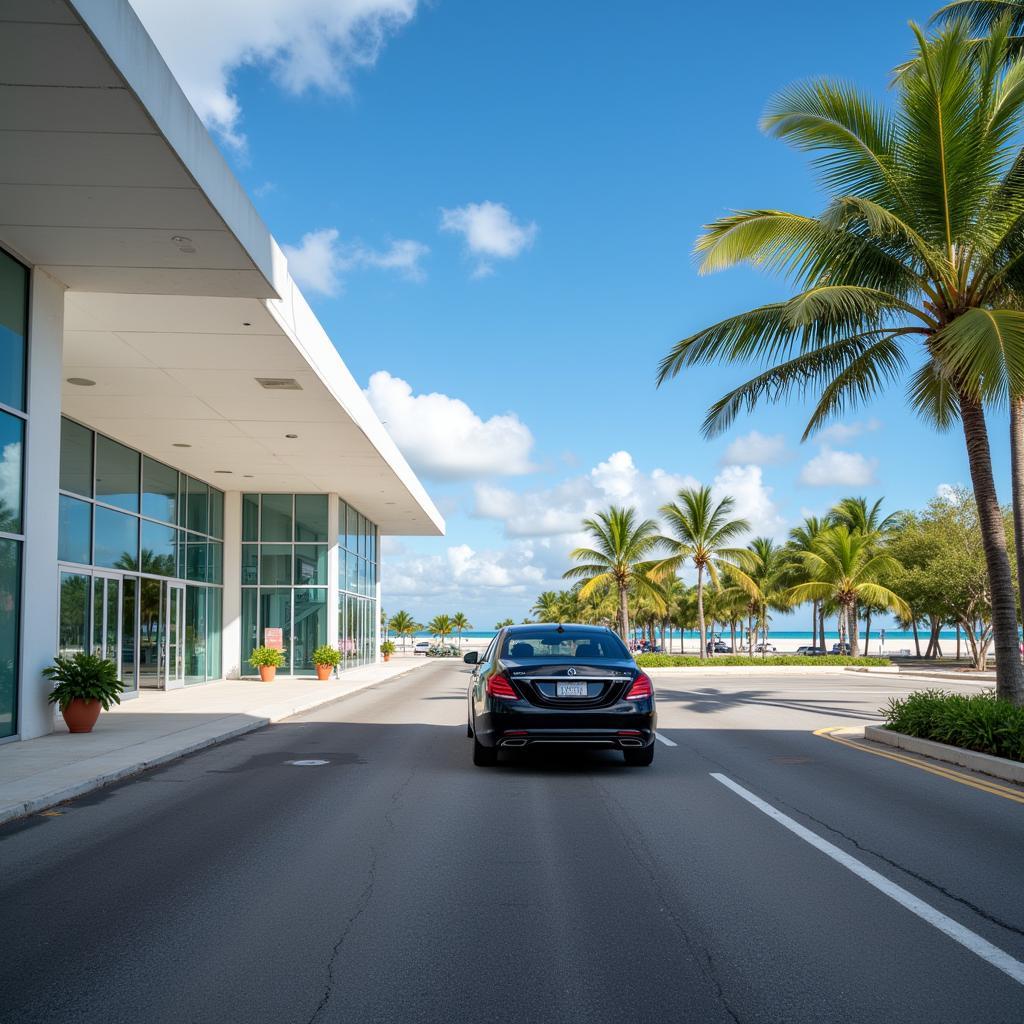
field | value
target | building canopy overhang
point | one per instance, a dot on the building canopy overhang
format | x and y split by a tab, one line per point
180	307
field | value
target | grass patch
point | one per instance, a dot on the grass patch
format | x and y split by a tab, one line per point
976	721
770	661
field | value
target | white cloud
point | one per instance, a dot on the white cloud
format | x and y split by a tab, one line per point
840	432
10	477
444	438
320	261
755	447
305	44
831	468
753	499
949	493
490	233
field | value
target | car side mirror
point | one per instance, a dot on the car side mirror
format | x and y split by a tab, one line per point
471	657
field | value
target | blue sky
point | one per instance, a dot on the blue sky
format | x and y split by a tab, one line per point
495	204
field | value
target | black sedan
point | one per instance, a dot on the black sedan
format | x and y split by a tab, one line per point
559	684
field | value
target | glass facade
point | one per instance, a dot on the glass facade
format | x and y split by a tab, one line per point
284	575
357	581
14	280
150	539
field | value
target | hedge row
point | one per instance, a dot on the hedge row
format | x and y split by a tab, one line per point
771	661
974	722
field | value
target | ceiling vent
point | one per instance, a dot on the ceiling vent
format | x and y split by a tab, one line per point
279	383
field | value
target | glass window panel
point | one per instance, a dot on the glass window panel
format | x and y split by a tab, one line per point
250	517
250	601
215	562
195	634
12	432
250	564
352	570
276	612
372	542
13	321
216	513
351	520
214	625
159	490
195	558
361	534
310	629
341	522
310	565
341	568
159	549
75	458
10	607
311	517
276	565
117	474
276	523
74	530
128	631
75	594
198	506
117	540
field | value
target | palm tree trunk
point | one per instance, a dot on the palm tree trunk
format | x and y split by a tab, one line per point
700	611
821	626
732	633
814	623
917	639
1017	486
867	631
1009	671
851	614
624	614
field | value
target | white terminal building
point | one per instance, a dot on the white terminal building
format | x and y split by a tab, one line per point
185	460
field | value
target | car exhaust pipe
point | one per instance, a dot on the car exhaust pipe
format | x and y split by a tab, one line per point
630	743
517	742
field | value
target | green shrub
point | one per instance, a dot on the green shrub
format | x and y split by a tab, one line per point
770	661
86	676
387	647
325	654
270	657
976	721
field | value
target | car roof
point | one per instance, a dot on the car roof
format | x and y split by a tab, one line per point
554	627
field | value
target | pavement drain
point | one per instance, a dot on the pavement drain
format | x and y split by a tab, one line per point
307	763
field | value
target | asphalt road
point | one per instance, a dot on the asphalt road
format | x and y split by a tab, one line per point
398	883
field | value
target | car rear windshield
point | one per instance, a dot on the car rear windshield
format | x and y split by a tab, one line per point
568	644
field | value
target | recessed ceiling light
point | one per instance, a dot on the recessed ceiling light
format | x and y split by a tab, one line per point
82	382
180	444
181	239
291	436
246	323
226	471
248	476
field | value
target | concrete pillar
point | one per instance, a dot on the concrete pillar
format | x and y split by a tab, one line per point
231	638
333	569
40	600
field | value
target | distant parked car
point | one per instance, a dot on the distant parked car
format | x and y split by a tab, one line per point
764	648
841	649
443	651
810	652
421	647
718	647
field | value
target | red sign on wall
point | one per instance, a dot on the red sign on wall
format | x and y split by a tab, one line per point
274	637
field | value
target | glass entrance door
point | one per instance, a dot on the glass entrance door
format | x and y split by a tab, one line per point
106	618
161	633
175	626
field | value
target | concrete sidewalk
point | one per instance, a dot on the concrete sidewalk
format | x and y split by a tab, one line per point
157	727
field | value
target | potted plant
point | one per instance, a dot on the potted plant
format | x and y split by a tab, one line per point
325	657
85	685
268	660
387	649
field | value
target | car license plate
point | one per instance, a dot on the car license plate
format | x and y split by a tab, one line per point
572	690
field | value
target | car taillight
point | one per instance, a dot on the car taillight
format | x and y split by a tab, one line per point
499	686
642	688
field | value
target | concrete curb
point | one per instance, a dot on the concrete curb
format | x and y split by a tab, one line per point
1000	767
768	669
179	745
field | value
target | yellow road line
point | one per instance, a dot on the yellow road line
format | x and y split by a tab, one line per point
947	773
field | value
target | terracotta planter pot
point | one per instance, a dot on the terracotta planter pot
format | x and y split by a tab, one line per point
81	715
267	673
323	672
387	657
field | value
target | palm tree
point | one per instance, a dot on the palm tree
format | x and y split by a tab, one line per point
842	568
459	623
762	574
441	626
548	606
919	248
403	625
503	623
802	538
618	559
701	533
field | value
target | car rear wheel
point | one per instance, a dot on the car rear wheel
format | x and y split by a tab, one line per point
484	757
639	758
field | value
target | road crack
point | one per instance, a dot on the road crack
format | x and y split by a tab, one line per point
361	903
